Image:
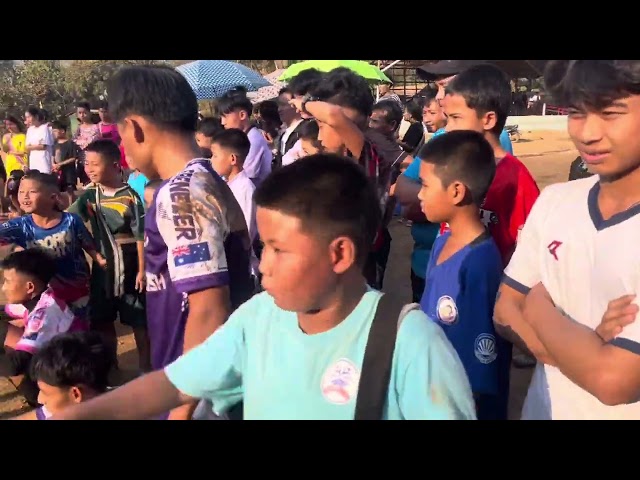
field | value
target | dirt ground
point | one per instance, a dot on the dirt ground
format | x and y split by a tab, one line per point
546	154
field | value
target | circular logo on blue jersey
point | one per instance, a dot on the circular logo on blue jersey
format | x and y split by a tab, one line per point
485	348
446	310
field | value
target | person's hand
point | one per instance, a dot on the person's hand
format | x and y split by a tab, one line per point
55	168
620	313
101	261
141	280
297	104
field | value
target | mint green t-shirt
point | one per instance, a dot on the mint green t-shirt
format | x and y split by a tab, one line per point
262	356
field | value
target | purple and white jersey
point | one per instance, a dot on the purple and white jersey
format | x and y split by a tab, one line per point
195	238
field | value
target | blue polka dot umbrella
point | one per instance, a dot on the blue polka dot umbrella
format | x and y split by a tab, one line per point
213	78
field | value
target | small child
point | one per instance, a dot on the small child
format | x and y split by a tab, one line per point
207	129
71	368
465	268
38	315
309	138
64	161
64	234
116	214
230	148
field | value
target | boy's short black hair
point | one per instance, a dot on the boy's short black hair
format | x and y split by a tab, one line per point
106	149
591	84
35	263
13	182
429	95
84	105
158	93
331	196
209	126
465	156
234	100
305	82
58	125
309	130
235	140
391	109
414	108
485	88
345	88
46	180
72	360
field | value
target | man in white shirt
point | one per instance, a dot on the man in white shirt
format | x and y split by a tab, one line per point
39	143
578	251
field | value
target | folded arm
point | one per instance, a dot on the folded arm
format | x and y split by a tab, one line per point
609	371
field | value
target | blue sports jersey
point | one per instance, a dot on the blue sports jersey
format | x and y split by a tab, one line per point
459	295
66	241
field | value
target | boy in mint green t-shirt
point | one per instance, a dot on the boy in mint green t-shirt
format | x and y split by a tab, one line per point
296	350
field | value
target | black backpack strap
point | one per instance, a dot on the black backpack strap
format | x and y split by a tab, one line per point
378	357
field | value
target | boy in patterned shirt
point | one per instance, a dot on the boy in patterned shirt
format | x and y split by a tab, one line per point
116	214
63	233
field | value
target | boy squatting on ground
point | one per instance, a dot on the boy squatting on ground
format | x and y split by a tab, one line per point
38	315
295	351
63	233
570	290
116	215
71	368
465	268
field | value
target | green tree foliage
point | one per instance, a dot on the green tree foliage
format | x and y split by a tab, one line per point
54	85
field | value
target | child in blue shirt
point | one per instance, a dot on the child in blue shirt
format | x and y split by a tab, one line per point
465	268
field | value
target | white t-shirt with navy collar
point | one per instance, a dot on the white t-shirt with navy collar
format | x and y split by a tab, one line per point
584	262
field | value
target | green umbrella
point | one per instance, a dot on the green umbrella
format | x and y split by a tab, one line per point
364	69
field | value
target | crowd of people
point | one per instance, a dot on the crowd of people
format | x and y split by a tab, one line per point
247	251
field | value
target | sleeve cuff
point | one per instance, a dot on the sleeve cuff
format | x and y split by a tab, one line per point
517	286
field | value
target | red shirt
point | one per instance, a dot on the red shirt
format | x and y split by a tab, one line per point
508	203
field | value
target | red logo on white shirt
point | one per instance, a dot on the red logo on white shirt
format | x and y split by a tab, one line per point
553	247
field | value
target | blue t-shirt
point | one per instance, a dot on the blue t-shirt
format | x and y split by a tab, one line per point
138	181
67	241
459	295
262	356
